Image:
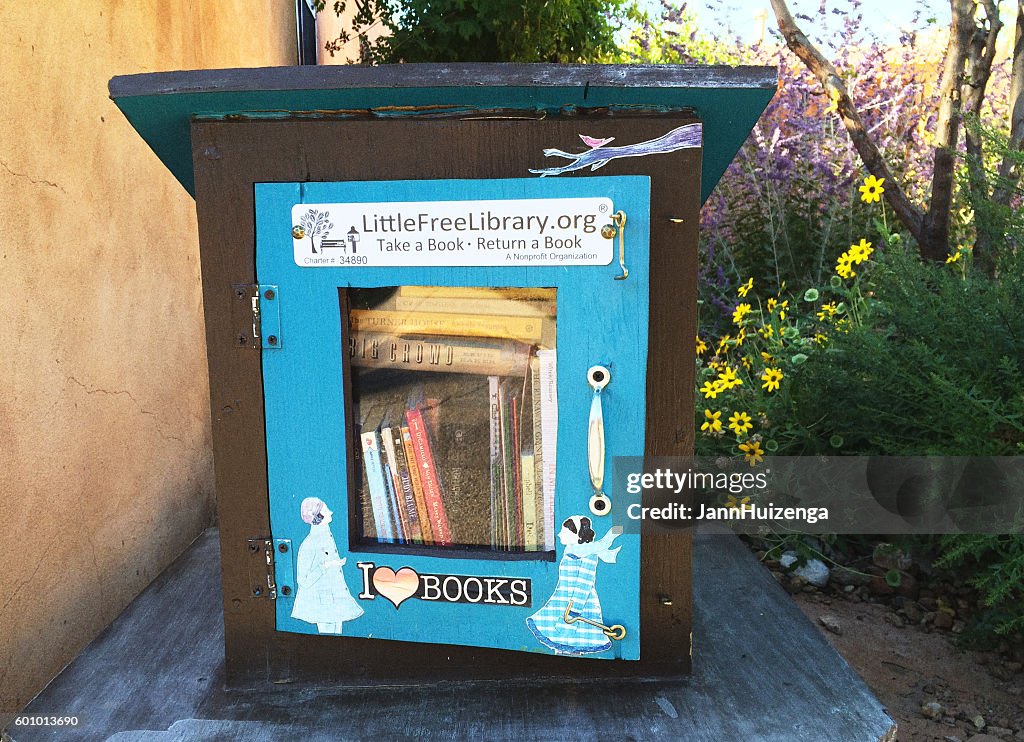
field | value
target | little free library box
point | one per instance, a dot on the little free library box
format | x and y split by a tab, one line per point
440	301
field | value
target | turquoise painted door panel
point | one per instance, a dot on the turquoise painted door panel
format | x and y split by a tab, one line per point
357	589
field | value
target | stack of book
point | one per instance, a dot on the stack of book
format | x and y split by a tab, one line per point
457	413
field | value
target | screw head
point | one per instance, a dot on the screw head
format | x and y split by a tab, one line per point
298	231
272	339
286	591
608	231
269	294
257	592
254	548
283	548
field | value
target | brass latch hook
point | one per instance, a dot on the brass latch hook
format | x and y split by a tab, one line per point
617	631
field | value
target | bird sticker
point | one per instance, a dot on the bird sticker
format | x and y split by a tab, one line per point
688	136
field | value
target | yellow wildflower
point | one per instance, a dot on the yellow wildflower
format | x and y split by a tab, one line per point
860	252
727	379
767	332
741	336
712	422
771	378
954	257
766	357
702	347
820	339
844	267
711	389
740	422
723	344
741	311
733	504
872	189
745	288
828	311
752	452
747	363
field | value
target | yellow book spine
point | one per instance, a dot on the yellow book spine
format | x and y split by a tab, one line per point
527	329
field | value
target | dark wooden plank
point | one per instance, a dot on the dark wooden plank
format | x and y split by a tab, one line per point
229	158
761	672
443	75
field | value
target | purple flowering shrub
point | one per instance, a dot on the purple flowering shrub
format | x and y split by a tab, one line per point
789	203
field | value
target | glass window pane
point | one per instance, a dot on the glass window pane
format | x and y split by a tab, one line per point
453	397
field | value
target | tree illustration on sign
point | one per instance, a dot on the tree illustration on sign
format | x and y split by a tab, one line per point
315	223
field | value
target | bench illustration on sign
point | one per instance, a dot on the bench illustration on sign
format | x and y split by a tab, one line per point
599	155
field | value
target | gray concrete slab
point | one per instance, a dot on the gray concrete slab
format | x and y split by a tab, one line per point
761	672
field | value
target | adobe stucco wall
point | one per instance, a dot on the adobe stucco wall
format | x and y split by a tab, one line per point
105	463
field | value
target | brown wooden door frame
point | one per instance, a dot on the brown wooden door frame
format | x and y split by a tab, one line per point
230	156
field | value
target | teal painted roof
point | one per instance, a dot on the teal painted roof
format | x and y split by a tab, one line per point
161	105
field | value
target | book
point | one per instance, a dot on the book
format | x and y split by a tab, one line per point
428	478
530	522
461	449
508	505
497	473
515	458
480	292
404	483
417	487
393	479
484	356
543	527
398	527
507	307
376	484
549	439
526	329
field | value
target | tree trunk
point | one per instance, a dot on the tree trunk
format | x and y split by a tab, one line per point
980	54
934	241
1008	175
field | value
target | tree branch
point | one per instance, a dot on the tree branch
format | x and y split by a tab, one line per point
1007	176
826	73
980	54
934	240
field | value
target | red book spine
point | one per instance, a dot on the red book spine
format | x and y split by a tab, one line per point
428	478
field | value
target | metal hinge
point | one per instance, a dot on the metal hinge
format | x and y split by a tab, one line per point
256	316
262	582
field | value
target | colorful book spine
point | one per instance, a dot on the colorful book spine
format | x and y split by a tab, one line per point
503	307
398	514
494	407
527	329
446	355
517	461
428	478
378	488
480	292
404	477
549	432
509	472
530	523
422	515
543	527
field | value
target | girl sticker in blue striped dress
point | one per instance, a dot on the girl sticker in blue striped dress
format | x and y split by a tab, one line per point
575	590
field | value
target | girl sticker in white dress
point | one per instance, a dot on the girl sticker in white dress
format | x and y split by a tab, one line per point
321	595
575	594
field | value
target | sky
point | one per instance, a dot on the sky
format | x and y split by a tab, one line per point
883	17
